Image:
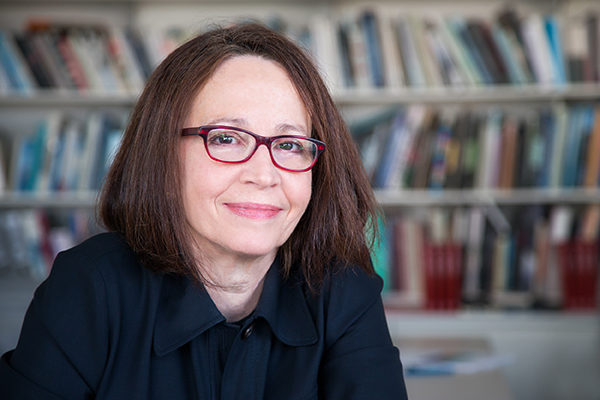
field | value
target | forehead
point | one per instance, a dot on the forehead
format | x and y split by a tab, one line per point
249	88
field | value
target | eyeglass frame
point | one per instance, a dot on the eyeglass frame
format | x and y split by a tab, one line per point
204	130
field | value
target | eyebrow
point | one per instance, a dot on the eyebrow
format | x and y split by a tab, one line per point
282	128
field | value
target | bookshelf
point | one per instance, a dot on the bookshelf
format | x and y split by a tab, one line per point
337	34
363	104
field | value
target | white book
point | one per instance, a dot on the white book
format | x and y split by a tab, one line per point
392	59
91	152
491	140
325	50
130	68
412	251
53	124
92	75
73	155
413	66
561	119
536	42
425	52
471	288
405	134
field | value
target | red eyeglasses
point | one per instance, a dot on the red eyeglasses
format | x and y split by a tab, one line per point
235	145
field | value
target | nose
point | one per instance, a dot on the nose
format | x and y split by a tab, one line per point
260	170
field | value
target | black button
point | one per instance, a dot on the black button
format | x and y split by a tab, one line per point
248	331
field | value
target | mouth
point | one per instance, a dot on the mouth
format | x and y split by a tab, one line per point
254	210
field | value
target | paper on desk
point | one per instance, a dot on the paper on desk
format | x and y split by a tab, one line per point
444	363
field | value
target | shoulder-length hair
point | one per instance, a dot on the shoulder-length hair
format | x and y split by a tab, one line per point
142	199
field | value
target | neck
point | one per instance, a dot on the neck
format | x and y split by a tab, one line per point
236	288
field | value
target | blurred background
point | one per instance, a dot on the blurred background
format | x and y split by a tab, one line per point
478	124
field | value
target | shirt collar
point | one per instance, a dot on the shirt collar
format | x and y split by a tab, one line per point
185	310
283	305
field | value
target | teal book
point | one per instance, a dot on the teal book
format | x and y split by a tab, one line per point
380	254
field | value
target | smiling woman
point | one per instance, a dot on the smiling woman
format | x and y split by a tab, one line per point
235	263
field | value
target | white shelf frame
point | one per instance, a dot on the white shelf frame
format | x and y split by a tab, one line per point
494	94
389	199
50	200
491	94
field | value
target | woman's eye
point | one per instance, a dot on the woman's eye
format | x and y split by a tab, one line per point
224	138
290	146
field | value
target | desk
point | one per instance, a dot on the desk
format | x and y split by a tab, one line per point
489	384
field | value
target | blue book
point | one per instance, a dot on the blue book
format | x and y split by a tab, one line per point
384	169
516	74
587	123
572	145
556	52
459	26
374	55
110	138
29	159
11	65
547	130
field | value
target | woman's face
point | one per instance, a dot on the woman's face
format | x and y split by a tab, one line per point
247	210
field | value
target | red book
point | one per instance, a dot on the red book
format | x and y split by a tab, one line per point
579	266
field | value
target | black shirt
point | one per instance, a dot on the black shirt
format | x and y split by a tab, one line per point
102	326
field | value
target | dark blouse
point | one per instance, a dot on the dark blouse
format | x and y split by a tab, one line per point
102	326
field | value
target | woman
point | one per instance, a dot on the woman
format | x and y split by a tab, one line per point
230	269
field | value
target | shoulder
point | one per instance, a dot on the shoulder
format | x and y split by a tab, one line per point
105	254
351	286
96	248
347	293
101	266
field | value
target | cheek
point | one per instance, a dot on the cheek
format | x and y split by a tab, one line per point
196	182
300	193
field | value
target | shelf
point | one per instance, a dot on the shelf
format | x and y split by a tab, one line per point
468	95
112	3
469	322
48	200
57	98
343	97
389	199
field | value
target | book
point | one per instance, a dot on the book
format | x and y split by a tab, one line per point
479	32
459	53
511	24
441	151
509	53
555	40
28	159
592	161
392	58
536	41
403	134
461	29
490	140
13	65
380	254
411	61
326	48
471	289
369	22
508	157
107	136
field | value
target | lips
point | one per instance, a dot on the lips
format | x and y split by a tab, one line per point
254	210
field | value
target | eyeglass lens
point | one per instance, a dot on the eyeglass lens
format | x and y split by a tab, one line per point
233	146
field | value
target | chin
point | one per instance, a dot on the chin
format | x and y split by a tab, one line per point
256	250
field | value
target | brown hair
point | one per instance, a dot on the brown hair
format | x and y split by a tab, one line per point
141	198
